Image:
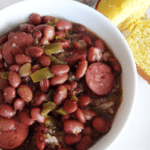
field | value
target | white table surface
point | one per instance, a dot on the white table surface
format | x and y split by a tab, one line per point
136	135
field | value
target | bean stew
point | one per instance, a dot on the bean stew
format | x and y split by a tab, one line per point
60	86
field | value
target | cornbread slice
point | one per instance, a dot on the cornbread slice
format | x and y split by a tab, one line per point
139	42
123	12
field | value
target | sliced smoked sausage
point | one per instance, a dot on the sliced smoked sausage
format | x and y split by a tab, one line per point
99	78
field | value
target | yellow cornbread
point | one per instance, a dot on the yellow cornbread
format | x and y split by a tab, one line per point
139	42
123	12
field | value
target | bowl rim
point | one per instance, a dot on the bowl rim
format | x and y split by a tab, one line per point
121	38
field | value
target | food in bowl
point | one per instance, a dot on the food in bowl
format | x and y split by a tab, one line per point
60	86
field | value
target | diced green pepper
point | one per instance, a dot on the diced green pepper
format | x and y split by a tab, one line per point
51	123
73	97
50	23
41	74
59	38
5	75
55	20
61	111
57	61
48	107
53	48
67	33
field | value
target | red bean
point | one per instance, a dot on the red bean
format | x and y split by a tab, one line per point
65	43
38	99
60	70
44	61
25	92
79	28
94	54
25	79
100	125
7	124
70	106
80	115
99	44
84	143
84	100
49	32
14	68
25	118
36	115
67	86
64	25
58	80
36	67
90	131
44	41
76	91
89	114
81	44
9	94
60	94
25	28
81	69
65	117
71	139
87	131
40	140
41	27
73	85
44	85
87	39
22	59
14	79
19	104
73	126
47	18
40	127
114	64
34	51
1	56
7	111
36	34
35	19
60	34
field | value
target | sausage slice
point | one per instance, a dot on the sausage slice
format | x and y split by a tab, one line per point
99	78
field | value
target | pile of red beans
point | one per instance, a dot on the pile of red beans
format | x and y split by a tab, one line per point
60	86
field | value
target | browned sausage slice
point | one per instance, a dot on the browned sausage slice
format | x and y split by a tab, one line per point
16	45
99	78
14	138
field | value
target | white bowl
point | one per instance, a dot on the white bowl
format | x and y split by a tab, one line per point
80	13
